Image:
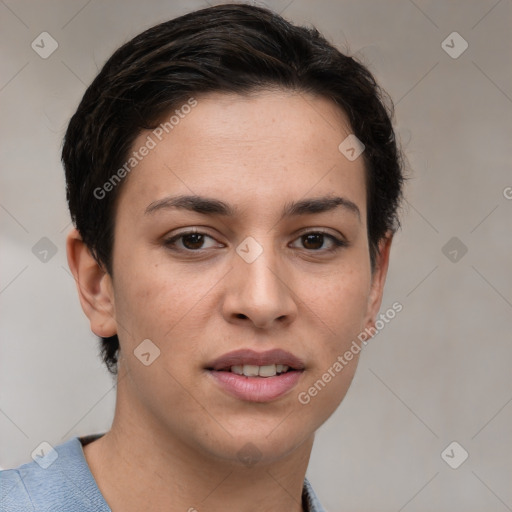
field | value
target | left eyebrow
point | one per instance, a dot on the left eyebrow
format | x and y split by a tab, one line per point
210	206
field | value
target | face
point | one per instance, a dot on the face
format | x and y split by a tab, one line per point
257	279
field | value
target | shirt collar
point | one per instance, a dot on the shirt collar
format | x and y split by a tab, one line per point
309	499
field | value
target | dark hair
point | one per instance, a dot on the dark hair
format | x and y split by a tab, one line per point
227	48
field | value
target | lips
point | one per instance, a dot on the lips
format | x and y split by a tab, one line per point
256	376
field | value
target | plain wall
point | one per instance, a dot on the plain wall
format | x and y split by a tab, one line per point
439	372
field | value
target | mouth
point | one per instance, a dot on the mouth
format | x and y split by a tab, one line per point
256	377
252	370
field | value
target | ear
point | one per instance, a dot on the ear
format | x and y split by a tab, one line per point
378	280
94	286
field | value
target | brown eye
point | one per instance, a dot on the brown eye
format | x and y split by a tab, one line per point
191	241
314	240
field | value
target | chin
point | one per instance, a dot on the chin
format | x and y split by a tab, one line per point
249	447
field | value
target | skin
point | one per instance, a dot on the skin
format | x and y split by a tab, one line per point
176	435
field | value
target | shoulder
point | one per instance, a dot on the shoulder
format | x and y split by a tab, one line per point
13	494
57	479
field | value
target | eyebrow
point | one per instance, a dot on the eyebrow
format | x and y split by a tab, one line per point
210	206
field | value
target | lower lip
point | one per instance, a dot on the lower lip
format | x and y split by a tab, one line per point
256	389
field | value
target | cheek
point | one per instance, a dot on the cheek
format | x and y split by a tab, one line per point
341	302
340	305
147	298
169	305
156	304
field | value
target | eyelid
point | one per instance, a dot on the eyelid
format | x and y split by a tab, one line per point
324	231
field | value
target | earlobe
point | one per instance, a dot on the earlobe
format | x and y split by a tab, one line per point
94	286
378	280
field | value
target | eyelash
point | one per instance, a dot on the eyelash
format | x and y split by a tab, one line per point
337	243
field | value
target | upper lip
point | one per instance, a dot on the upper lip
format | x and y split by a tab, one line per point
247	356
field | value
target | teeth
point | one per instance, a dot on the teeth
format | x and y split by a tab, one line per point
251	370
268	370
239	370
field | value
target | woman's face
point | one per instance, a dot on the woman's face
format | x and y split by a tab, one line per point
268	270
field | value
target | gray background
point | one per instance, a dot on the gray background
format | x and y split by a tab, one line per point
439	372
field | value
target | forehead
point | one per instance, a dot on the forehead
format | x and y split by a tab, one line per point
264	148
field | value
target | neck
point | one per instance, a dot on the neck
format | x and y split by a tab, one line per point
138	463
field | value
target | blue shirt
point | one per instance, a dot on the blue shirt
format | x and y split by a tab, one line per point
60	481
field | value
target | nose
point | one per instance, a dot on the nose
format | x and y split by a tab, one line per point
260	292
